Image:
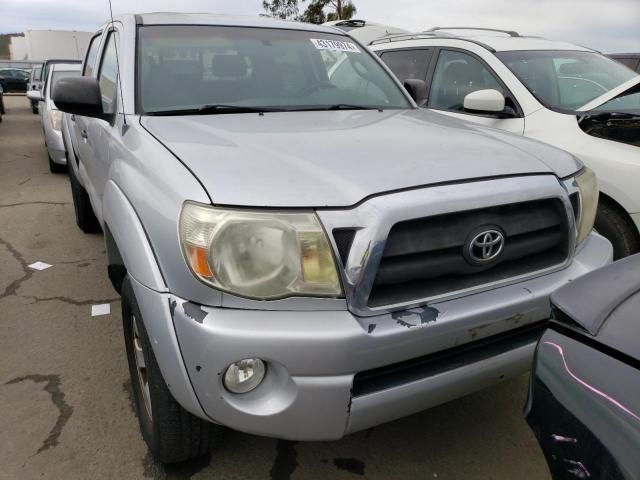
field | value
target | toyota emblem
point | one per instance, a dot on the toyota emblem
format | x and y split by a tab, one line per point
485	246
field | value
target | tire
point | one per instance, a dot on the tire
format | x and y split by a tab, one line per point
613	223
56	167
171	433
85	218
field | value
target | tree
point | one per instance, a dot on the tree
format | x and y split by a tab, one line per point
316	11
284	9
341	10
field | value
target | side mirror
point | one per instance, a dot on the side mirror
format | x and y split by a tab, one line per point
484	101
417	89
35	95
79	96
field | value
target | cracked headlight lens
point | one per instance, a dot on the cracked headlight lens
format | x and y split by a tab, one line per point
588	188
262	255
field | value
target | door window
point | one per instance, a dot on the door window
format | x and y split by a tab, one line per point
457	74
108	77
92	53
408	64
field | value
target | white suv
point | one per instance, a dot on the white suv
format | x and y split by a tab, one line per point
567	95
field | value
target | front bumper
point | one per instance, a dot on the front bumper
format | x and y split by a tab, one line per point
313	357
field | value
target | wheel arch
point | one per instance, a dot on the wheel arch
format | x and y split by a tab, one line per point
612	202
128	248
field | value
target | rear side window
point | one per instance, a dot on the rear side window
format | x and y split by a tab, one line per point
108	76
92	53
458	74
408	64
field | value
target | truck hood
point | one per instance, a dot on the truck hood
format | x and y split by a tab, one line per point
338	158
610	95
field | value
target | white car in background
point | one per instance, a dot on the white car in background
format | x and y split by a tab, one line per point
50	116
567	95
35	83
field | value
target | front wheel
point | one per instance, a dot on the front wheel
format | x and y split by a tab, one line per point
171	433
613	223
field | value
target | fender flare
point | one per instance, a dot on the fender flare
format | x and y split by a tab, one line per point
128	248
130	254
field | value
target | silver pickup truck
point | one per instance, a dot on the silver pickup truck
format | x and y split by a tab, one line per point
302	252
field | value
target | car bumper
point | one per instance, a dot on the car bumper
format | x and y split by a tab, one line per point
331	373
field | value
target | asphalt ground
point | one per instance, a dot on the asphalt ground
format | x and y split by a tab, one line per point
65	403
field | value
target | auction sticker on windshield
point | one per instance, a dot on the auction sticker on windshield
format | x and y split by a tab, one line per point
335	45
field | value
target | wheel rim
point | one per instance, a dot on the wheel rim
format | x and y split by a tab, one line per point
141	365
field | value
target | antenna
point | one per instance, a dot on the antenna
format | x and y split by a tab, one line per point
115	43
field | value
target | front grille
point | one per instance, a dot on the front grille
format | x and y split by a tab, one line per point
424	257
390	376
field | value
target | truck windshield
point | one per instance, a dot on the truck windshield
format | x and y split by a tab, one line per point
192	68
566	80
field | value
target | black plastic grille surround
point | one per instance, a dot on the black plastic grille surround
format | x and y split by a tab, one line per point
424	257
397	374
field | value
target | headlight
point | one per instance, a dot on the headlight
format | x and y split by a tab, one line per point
260	255
588	188
56	117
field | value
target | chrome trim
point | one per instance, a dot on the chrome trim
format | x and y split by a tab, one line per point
571	186
374	218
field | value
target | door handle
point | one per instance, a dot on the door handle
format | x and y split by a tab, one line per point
83	133
73	118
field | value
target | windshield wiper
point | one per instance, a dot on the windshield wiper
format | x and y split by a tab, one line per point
337	106
348	106
219	108
215	109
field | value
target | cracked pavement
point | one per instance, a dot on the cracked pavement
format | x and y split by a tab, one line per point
65	390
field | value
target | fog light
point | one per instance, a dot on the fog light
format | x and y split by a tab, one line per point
244	375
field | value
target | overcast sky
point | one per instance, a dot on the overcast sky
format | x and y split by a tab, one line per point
606	25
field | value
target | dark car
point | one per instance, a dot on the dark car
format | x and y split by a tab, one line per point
631	60
584	396
1	102
14	79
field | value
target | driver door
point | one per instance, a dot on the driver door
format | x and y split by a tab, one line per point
79	124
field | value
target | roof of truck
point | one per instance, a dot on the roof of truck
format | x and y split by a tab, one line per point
172	18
